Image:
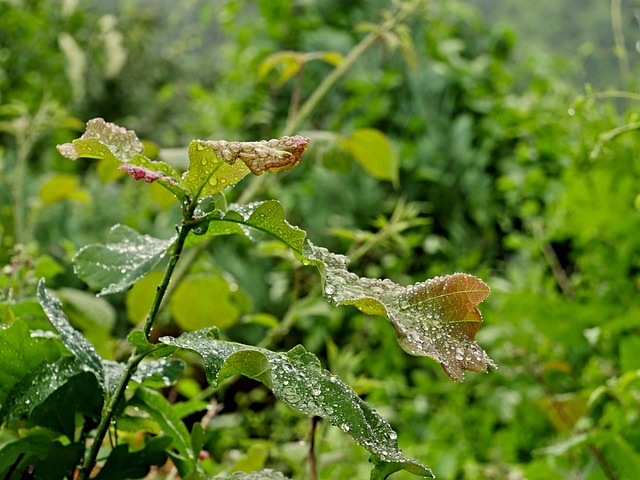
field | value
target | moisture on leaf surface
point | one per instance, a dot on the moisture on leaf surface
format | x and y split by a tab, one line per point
123	260
437	318
297	379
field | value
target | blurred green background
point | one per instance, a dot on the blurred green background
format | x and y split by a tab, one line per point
513	130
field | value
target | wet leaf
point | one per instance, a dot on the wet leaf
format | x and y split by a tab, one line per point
46	457
21	354
116	146
297	379
123	260
214	165
437	318
79	346
103	140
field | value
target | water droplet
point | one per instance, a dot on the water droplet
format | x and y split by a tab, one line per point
329	290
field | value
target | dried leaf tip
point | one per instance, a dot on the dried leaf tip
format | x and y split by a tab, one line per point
262	156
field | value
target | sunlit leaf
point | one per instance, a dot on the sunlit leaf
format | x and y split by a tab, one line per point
214	165
124	259
437	318
290	63
297	379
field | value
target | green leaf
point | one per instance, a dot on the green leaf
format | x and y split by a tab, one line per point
45	458
437	318
297	379
52	396
214	165
63	186
123	260
120	148
122	463
22	353
82	349
206	300
159	408
266	474
372	149
103	140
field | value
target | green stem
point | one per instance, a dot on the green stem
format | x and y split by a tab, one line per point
135	358
620	48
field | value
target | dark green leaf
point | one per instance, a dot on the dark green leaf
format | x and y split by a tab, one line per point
122	463
47	459
124	259
54	395
297	379
159	408
84	352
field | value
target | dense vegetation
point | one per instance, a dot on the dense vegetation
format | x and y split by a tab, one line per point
506	167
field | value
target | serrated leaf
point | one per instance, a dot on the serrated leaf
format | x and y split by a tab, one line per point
215	165
437	318
103	140
297	379
266	216
21	354
372	149
114	146
82	349
123	260
121	463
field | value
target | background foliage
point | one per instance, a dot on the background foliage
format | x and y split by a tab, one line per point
500	174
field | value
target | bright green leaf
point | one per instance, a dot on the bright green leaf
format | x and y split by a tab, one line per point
297	379
124	259
206	300
372	149
63	186
139	298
